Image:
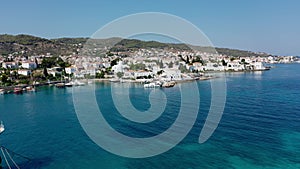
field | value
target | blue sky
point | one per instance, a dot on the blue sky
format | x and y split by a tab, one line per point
270	26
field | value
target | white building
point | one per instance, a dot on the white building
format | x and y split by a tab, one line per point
210	66
258	66
142	73
10	65
29	65
235	66
119	67
70	70
198	66
171	74
24	72
54	71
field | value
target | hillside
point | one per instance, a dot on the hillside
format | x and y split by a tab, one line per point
30	45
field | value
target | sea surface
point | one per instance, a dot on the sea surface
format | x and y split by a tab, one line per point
260	126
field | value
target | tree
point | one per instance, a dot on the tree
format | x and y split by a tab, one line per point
224	63
161	64
170	65
100	75
182	68
4	78
187	60
45	72
36	62
160	72
138	66
49	62
114	62
120	74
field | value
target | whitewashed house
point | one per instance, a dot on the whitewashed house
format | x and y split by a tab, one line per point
29	65
119	67
258	66
234	66
142	73
210	66
70	70
198	66
171	74
10	65
24	72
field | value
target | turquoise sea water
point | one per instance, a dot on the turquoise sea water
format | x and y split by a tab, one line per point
260	127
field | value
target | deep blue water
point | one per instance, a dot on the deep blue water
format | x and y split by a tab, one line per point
260	127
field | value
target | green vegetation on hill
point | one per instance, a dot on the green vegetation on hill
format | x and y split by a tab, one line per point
132	44
236	53
29	45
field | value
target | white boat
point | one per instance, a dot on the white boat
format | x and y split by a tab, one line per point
1	128
114	80
70	84
152	85
30	89
78	83
2	91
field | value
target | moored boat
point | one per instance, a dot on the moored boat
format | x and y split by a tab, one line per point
79	83
168	84
18	90
30	89
114	80
60	85
1	127
2	91
70	84
152	85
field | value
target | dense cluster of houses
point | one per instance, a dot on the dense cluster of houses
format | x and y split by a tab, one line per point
145	63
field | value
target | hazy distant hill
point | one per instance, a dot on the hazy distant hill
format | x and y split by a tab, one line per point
31	45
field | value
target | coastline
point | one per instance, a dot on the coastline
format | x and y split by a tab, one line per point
10	89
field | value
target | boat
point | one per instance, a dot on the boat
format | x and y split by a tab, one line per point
30	89
152	85
2	91
70	84
60	85
78	83
168	84
18	90
114	80
1	127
